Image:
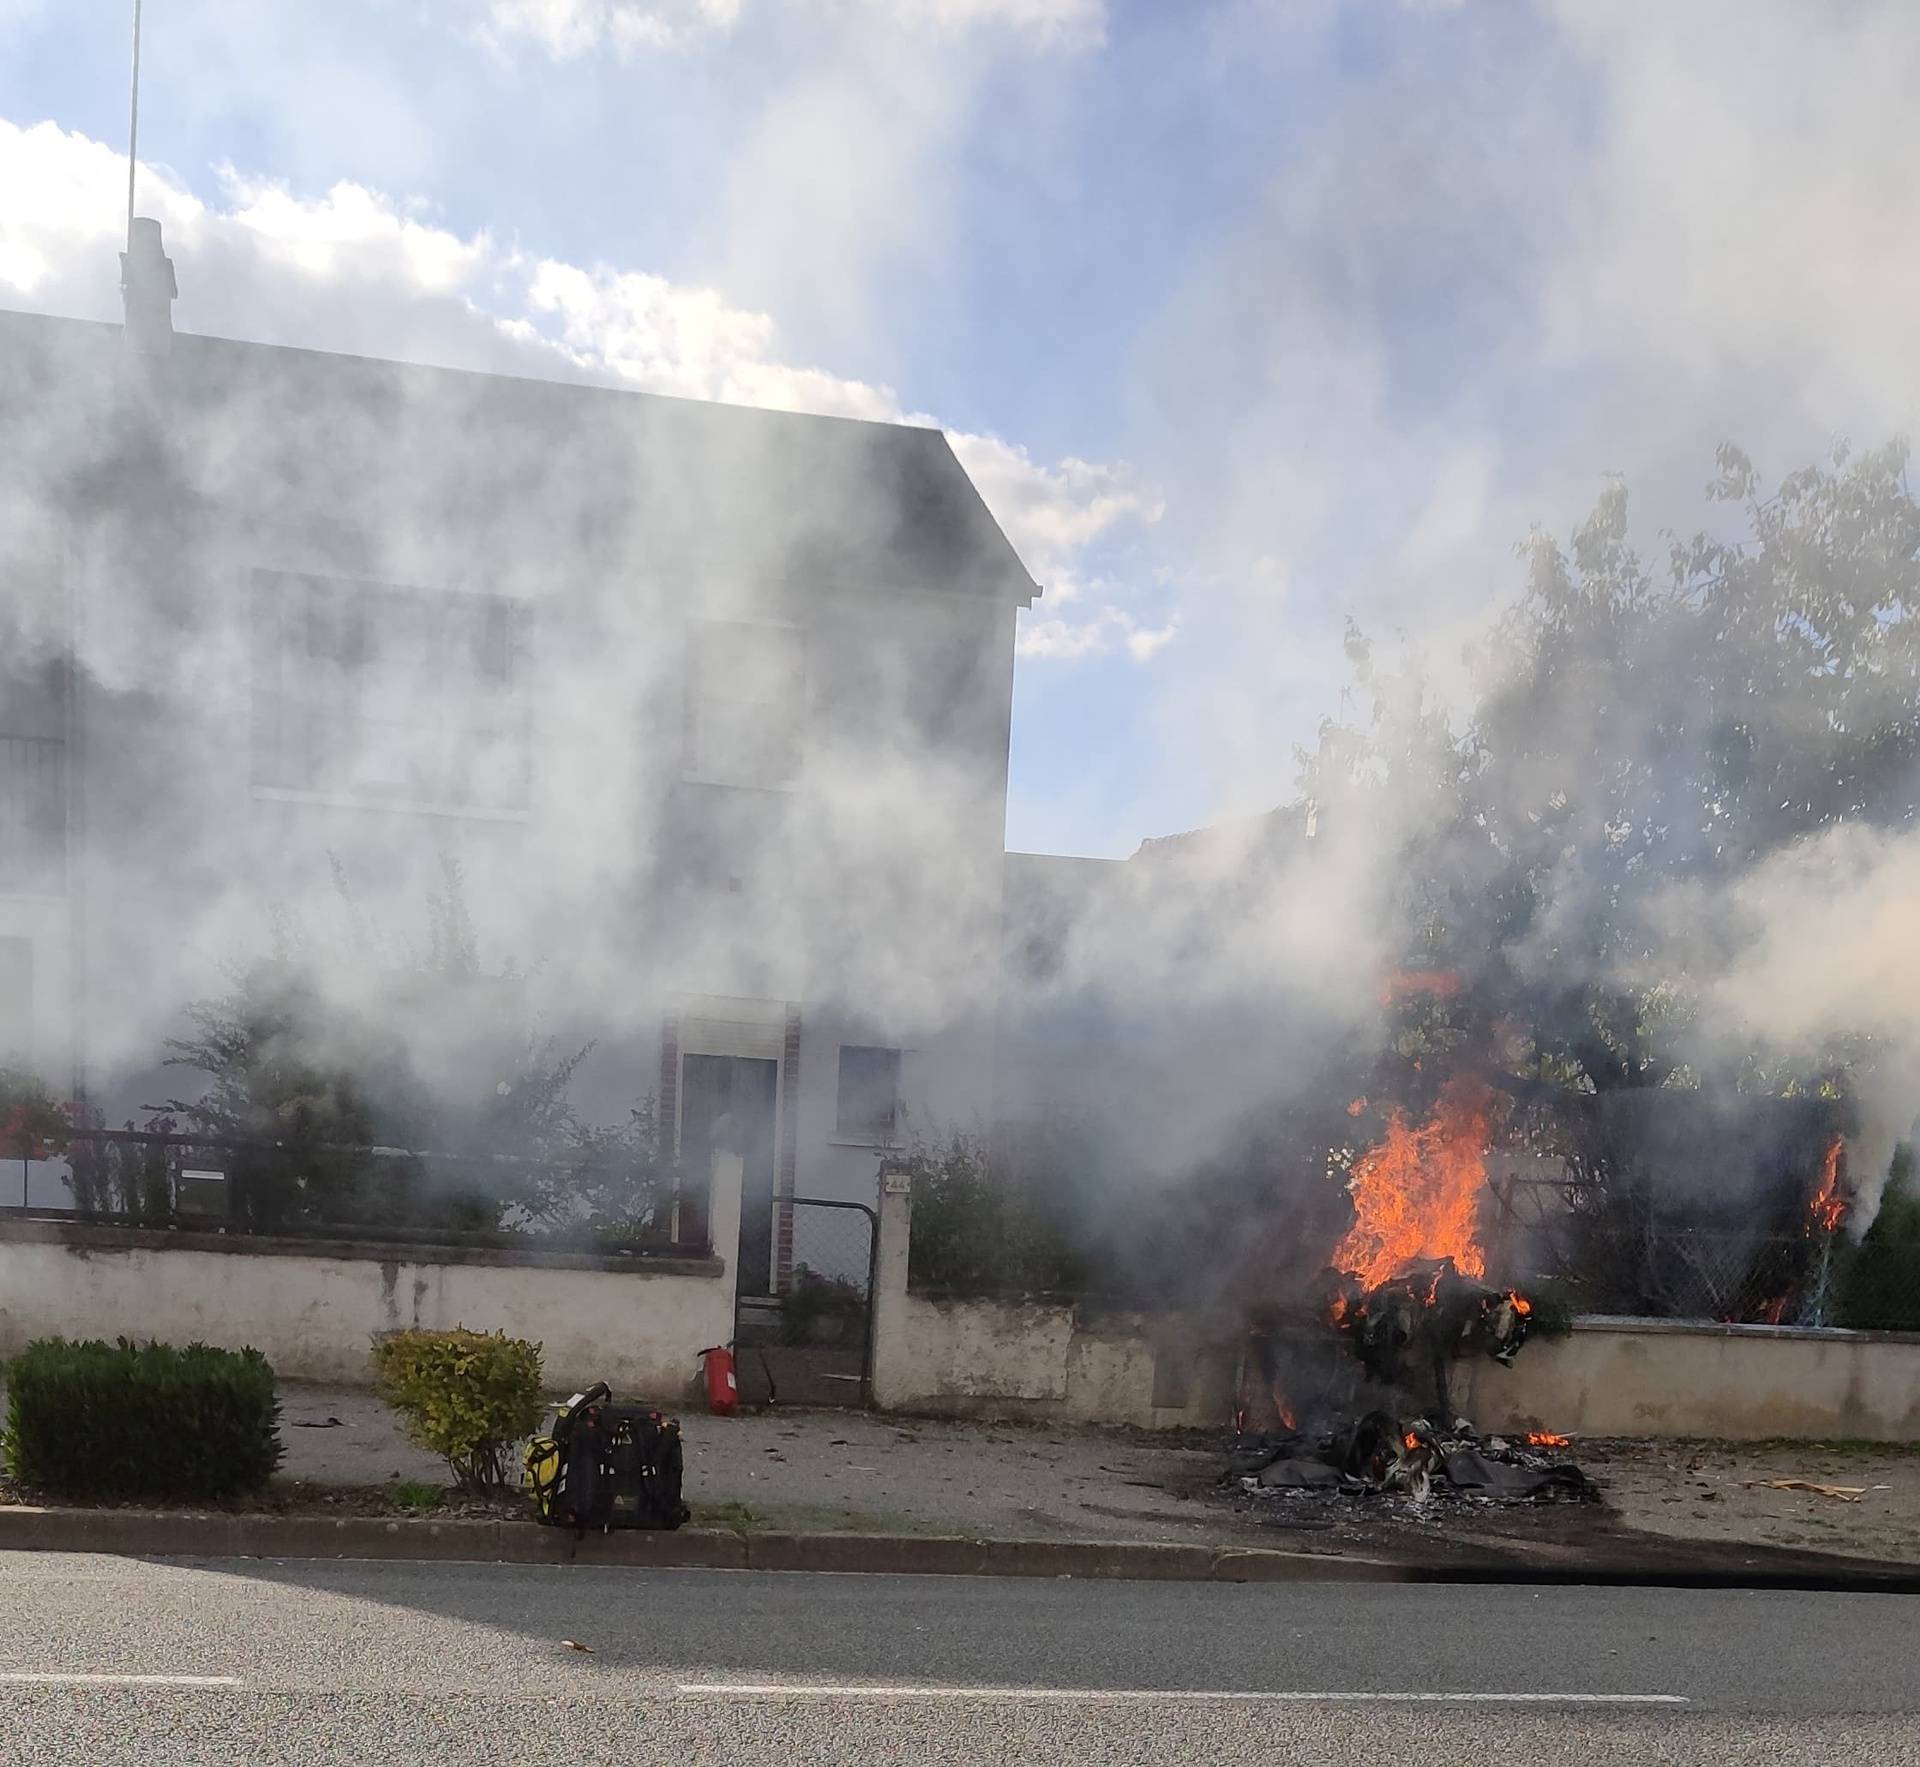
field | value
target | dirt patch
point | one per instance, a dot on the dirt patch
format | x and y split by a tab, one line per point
299	1497
1720	1492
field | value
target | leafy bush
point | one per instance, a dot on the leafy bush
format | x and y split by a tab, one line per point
980	1229
31	1124
467	1396
141	1420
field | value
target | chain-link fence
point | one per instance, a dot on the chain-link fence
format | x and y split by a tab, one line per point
1662	1271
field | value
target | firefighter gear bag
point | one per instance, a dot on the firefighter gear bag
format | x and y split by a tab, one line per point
602	1465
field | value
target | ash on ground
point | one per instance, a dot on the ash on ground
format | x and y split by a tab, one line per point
1383	1455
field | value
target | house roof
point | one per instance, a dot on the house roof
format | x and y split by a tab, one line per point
499	474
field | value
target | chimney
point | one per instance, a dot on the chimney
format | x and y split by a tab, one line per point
148	288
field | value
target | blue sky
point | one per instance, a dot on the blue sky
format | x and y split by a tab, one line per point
1246	316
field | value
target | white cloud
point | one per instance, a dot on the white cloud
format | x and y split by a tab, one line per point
567	28
1053	513
564	29
1051	639
355	270
350	235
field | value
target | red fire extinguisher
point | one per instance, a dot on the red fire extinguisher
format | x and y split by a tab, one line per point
723	1391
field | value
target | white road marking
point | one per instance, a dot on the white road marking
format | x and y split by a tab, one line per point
66	1678
831	1690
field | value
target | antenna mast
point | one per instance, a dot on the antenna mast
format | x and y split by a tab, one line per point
133	124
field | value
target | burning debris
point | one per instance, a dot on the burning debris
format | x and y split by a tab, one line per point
1385	1455
1405	1295
1405	1288
1415	1325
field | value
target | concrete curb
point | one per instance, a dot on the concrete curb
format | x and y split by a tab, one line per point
173	1534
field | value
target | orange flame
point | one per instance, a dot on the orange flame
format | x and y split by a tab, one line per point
1287	1419
1356	1107
1410	1440
1521	1304
1546	1439
1830	1203
1442	984
1416	1194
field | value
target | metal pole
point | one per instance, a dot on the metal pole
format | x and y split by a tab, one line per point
133	123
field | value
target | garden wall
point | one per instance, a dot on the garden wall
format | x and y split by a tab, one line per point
1039	1359
1610	1378
314	1307
1657	1377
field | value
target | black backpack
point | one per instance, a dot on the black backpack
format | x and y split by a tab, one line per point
602	1465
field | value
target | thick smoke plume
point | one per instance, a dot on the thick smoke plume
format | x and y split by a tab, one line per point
1655	817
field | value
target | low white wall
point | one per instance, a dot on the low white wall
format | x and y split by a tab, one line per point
1610	1378
1023	1359
1654	1377
314	1308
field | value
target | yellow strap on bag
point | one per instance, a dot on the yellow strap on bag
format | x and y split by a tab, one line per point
543	1467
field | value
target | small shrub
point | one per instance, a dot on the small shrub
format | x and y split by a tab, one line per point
467	1396
814	1300
141	1420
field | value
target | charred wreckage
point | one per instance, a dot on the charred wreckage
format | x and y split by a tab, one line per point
1405	1297
1406	1333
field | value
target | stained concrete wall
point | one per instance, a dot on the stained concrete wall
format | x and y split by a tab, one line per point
1038	1359
1741	1382
314	1308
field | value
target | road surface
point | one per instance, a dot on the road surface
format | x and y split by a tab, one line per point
164	1662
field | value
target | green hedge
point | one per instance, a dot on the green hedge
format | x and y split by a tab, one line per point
141	1420
468	1396
984	1224
1880	1281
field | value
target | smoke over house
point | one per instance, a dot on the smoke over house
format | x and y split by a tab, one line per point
496	716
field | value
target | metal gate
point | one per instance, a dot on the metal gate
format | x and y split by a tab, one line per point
811	1341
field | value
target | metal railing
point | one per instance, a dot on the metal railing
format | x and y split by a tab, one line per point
298	1188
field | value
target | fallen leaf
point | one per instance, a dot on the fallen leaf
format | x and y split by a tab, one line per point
586	1650
1845	1493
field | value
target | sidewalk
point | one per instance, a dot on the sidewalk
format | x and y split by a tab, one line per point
847	1471
860	1472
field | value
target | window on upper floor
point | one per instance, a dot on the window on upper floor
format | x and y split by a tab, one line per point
746	703
868	1107
16	1003
367	691
33	783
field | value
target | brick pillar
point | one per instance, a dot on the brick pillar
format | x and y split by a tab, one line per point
789	1150
670	1104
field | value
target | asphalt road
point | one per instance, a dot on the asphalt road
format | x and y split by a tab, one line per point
163	1662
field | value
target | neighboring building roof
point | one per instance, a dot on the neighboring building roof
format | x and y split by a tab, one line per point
1271	832
521	470
1042	897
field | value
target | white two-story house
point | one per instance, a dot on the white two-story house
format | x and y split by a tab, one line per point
709	703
